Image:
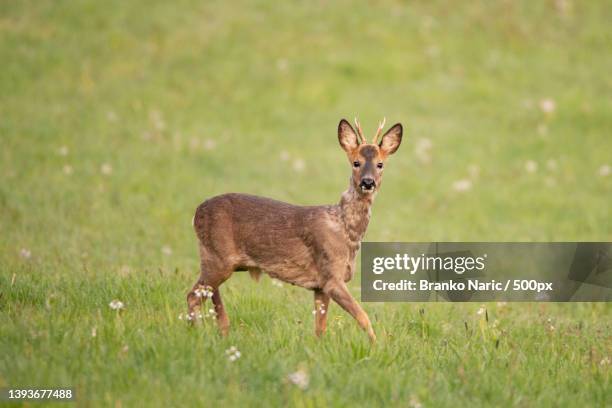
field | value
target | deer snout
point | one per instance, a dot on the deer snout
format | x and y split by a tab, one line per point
367	183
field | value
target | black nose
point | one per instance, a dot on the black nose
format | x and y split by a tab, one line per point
368	183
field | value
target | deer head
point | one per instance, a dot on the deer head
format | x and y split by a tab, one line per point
368	159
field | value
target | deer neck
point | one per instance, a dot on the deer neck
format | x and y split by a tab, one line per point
355	209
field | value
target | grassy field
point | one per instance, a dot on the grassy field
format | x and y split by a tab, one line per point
118	118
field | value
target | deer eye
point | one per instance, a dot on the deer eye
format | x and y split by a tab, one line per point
356	164
379	165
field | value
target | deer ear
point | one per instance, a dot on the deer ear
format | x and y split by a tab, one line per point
391	140
347	136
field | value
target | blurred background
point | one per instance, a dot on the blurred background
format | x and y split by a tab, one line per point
119	118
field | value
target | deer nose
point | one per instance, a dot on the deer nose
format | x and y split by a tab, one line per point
368	183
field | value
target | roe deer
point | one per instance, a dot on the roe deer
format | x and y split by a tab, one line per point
313	247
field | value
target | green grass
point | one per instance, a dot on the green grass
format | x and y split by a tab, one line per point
184	100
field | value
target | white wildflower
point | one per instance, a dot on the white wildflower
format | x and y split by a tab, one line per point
25	253
422	150
191	316
299	165
209	144
531	166
604	361
116	304
414	402
67	169
564	7
94	331
63	151
106	169
321	308
282	64
284	155
299	378
547	105
204	291
481	310
166	250
605	170
233	353
277	283
462	185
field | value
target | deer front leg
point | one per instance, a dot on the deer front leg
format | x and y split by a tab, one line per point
339	292
321	300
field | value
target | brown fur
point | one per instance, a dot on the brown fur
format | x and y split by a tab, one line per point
314	247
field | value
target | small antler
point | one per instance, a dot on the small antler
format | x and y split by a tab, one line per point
381	125
362	139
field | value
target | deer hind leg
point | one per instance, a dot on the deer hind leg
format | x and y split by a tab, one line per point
202	290
340	294
196	298
212	275
321	300
222	318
